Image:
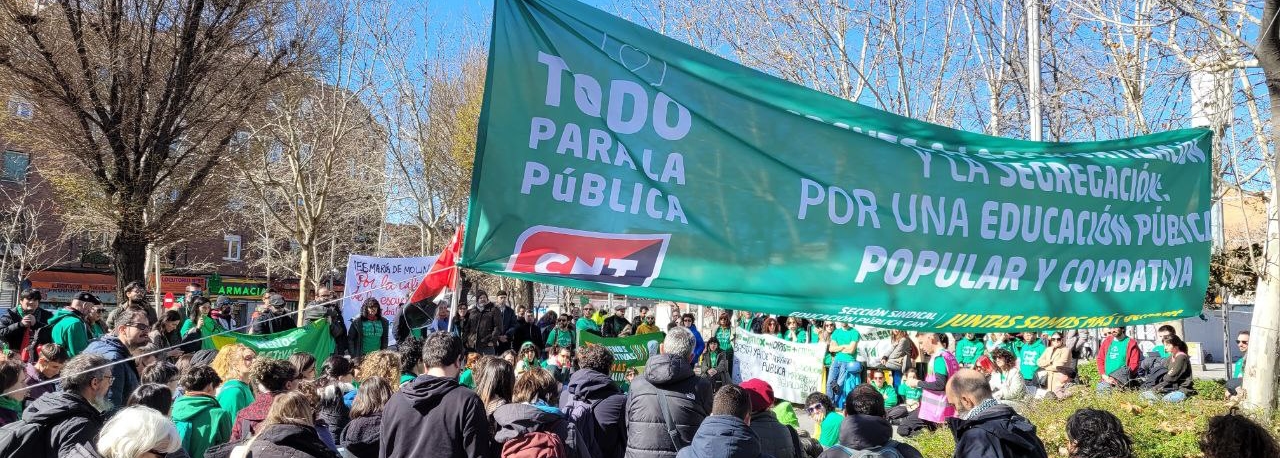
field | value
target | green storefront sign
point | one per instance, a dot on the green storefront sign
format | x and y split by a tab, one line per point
612	158
235	288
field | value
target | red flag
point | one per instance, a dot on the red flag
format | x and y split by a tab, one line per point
441	275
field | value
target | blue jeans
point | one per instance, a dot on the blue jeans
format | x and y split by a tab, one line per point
844	375
1175	396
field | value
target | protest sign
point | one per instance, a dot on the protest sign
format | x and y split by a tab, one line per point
628	352
389	280
313	338
874	344
612	158
793	369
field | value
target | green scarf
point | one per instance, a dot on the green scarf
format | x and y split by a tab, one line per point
715	358
10	404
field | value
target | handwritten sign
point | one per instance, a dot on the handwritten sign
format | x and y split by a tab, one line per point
389	280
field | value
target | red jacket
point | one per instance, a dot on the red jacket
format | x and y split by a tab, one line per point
250	416
1132	358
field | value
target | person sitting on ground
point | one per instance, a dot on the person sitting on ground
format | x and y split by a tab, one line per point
714	365
968	349
1007	384
201	422
826	421
360	437
591	391
288	430
649	434
983	425
531	424
865	431
725	433
13	385
136	432
1058	366
1237	436
1097	434
272	378
433	415
1177	383
528	358
1118	359
73	416
50	358
776	439
909	396
561	366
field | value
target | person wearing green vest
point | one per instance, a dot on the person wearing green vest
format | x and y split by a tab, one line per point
1118	359
201	423
886	389
826	419
846	370
968	350
1029	356
67	327
794	333
1236	378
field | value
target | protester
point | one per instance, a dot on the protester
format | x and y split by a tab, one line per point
274	318
50	358
1057	365
714	365
18	325
93	322
163	373
440	323
531	424
846	370
193	328
1177	383
528	358
1097	434
13	386
1237	436
326	308
166	334
968	349
289	430
934	409
527	331
592	400
658	427
646	326
495	378
510	357
562	335
129	330
153	395
724	334
1029	351
223	317
486	322
136	294
561	366
910	397
886	390
467	378
776	439
826	419
410	353
793	333
1236	378
331	388
369	332
201	422
190	293
509	318
699	345
865	432
585	323
360	437
1007	384
434	415
985	428
1118	359
136	432
385	364
900	356
725	433
770	327
272	377
73	415
614	324
67	327
233	364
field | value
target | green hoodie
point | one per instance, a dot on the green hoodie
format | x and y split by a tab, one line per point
201	423
69	331
234	396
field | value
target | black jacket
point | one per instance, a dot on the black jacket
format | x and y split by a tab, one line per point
865	432
528	332
609	412
776	439
437	417
355	336
360	437
269	321
998	432
126	373
11	329
723	436
289	441
69	419
687	396
484	327
723	371
613	325
333	410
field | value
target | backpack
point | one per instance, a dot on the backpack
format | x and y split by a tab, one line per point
21	438
537	444
581	439
43	336
888	450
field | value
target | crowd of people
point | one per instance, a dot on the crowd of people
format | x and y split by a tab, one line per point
493	381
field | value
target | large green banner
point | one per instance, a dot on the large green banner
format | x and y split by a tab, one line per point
613	158
313	338
631	352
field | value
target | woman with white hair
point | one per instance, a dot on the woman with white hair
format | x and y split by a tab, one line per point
137	432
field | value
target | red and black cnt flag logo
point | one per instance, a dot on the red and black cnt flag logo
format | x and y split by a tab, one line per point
617	259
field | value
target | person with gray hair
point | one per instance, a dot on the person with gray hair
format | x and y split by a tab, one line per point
985	428
667	401
138	431
72	417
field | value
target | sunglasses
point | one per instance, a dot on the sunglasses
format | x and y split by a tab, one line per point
813	408
1242	342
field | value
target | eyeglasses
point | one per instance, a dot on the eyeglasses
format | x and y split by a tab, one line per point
140	326
1242	342
813	408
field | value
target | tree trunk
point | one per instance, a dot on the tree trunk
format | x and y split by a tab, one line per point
304	278
527	286
128	257
1260	366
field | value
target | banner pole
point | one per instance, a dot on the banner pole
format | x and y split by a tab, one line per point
453	302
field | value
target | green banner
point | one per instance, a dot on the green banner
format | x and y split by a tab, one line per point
628	352
612	158
313	339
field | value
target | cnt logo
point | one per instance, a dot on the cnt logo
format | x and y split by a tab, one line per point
617	259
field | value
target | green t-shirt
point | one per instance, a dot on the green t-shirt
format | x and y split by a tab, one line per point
890	395
1116	356
1237	371
830	427
1029	358
844	337
968	351
559	338
371	335
910	393
800	336
586	324
1160	350
939	367
465	379
725	337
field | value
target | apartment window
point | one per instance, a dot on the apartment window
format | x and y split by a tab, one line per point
22	108
15	166
233	247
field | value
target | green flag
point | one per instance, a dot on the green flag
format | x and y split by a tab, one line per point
631	352
612	158
313	338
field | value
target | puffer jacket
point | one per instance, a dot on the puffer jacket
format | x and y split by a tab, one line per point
687	396
997	432
360	437
776	438
723	436
69	419
866	432
289	441
333	410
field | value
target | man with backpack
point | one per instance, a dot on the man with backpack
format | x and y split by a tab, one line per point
67	327
18	326
595	405
865	433
985	428
776	439
667	401
57	423
725	433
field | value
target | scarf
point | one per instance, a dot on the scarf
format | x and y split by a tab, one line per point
986	404
10	404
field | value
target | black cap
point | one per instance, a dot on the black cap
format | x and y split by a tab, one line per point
84	296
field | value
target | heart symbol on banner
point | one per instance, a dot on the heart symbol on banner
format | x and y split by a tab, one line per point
636	54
